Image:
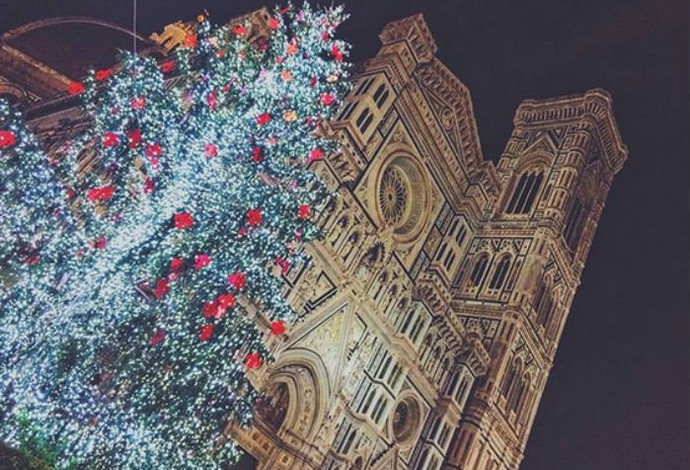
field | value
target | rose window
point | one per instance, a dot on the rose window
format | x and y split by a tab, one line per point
394	195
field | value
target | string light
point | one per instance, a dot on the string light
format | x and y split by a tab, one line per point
125	336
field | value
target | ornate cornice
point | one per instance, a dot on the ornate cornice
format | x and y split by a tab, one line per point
595	104
416	32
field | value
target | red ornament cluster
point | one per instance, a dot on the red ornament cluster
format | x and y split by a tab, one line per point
253	361
201	261
254	217
102	75
102	193
110	139
75	88
7	139
183	220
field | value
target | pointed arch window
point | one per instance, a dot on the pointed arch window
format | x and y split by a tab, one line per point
348	110
500	272
365	85
573	222
518	393
544	309
381	96
364	120
525	192
479	270
511	377
406	323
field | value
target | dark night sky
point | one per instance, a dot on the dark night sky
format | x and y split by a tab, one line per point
618	394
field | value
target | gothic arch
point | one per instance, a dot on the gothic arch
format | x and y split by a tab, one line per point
306	378
500	269
528	182
12	92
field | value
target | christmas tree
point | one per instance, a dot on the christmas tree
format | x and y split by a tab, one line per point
202	198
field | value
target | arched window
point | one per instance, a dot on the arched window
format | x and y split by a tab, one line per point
573	224
450	388
367	404
510	378
352	246
442	250
477	275
544	308
348	110
365	85
364	120
417	329
500	272
406	323
518	393
381	95
350	441
426	349
525	192
460	236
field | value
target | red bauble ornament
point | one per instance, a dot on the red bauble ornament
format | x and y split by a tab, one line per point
183	220
263	118
253	361
102	193
210	309
239	30
7	139
336	53
277	328
190	40
274	24
138	103
168	66
210	150
99	243
327	99
149	186
176	265
254	217
226	300
154	150
257	154
103	74
212	101
201	261
134	137
304	212
110	139
316	154
237	280
157	337
162	288
206	332
75	88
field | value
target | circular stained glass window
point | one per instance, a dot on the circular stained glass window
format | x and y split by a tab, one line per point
402	197
406	420
394	194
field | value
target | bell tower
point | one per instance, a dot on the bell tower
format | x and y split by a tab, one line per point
523	266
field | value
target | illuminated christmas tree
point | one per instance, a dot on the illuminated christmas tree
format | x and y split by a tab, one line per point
203	197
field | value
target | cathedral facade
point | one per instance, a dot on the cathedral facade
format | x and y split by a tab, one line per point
431	312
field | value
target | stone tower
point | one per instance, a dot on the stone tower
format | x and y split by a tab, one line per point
432	310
